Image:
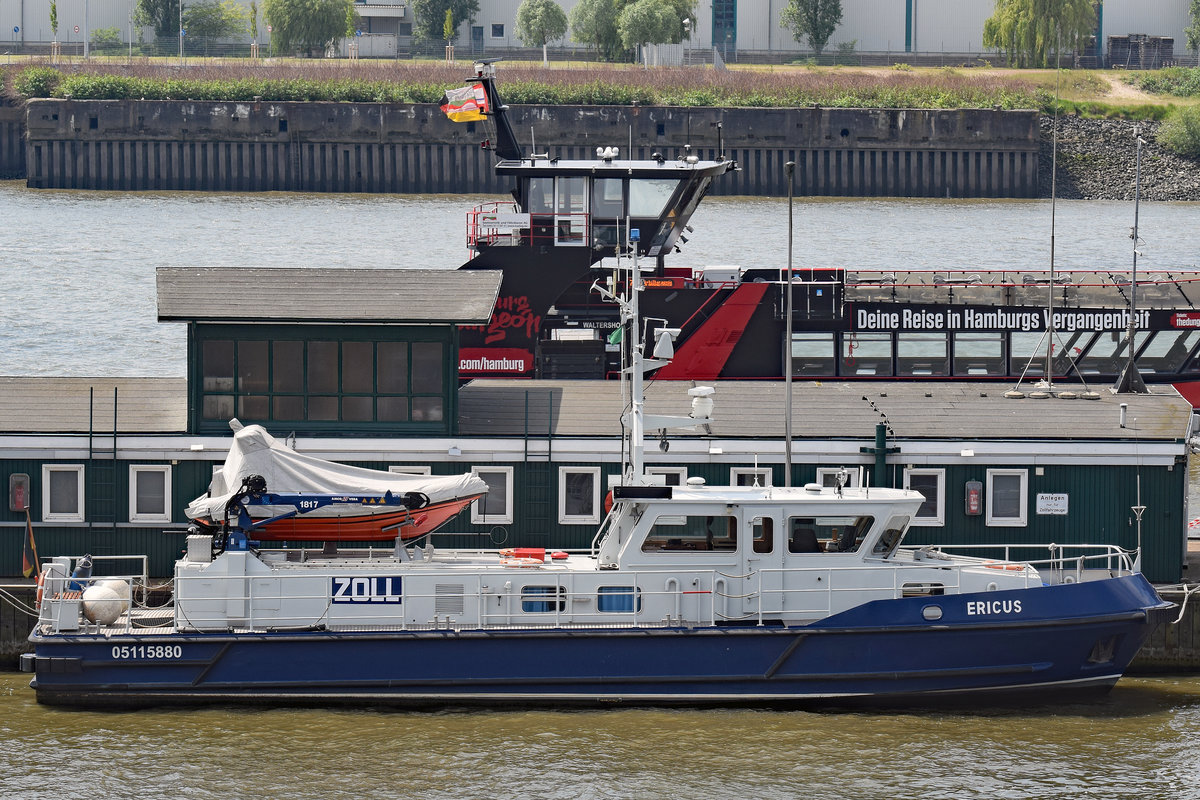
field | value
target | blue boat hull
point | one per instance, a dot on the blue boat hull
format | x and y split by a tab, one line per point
881	653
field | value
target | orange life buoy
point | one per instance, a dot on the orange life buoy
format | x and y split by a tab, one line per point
40	588
1004	565
520	562
608	502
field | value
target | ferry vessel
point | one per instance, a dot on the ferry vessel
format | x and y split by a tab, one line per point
691	595
566	217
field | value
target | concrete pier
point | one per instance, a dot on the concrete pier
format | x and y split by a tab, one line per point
372	147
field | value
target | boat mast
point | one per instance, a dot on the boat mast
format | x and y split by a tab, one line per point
787	344
1130	380
506	147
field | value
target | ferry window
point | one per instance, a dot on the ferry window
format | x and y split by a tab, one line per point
867	354
1167	351
762	531
694	533
1028	354
649	196
827	534
978	353
608	200
921	354
813	354
495	507
891	537
149	493
744	476
828	476
578	495
1007	496
542	599
541	196
618	599
1106	356
62	492
932	484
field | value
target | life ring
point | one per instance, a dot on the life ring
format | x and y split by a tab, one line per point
520	562
40	589
1004	566
608	502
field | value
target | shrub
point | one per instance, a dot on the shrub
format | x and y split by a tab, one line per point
37	82
1181	132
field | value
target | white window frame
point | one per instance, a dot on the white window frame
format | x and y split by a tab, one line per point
397	469
856	475
47	515
134	471
680	471
477	515
940	519
578	519
1009	522
766	474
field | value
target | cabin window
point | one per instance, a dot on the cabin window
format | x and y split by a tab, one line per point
923	354
762	531
1007	496
867	354
618	599
932	484
891	537
979	353
827	534
649	196
1167	351
828	476
543	599
674	533
578	495
745	476
1106	356
495	507
608	199
324	380
62	492
149	493
813	354
1028	353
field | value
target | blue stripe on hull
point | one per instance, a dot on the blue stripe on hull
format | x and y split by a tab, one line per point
879	654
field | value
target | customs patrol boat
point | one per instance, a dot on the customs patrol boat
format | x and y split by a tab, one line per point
690	594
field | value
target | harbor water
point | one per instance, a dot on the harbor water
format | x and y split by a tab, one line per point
78	298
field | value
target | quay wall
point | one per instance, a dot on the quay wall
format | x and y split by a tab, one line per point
372	147
12	142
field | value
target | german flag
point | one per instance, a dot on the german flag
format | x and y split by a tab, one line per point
29	556
468	104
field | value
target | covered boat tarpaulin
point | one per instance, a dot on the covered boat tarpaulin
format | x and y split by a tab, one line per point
256	452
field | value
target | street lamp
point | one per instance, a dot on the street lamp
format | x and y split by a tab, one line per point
687	32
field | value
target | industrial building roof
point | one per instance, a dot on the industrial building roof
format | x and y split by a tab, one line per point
828	409
254	294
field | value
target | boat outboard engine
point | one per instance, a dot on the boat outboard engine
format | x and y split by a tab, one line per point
414	500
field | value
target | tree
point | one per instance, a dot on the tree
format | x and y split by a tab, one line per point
216	19
305	24
647	22
431	17
540	22
254	20
1027	30
163	15
595	23
815	20
1192	32
54	19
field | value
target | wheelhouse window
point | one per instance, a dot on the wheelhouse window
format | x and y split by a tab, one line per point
578	495
495	507
827	534
867	354
149	493
62	492
648	197
346	377
891	537
923	354
978	353
1007	496
932	484
762	534
813	354
672	533
1167	351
